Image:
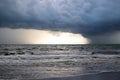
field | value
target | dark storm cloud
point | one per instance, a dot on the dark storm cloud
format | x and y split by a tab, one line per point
89	17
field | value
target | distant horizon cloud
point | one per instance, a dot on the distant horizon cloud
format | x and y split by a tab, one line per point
92	19
34	36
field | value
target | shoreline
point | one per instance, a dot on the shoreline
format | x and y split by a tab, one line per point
98	76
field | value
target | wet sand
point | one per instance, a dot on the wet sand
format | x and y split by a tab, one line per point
100	76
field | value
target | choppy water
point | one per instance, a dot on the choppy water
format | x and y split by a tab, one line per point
23	62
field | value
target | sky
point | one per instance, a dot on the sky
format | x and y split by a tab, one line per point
66	21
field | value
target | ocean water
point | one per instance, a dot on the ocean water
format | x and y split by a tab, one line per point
24	62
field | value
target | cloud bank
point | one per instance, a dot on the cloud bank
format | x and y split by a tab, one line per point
32	36
88	17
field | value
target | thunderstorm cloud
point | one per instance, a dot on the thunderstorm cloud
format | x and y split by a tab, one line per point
90	18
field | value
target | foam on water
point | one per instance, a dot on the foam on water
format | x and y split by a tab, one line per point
50	61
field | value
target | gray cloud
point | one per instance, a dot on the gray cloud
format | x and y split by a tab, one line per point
108	38
89	17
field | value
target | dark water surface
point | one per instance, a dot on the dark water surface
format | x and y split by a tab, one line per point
59	62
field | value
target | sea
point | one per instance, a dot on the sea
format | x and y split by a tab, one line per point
40	62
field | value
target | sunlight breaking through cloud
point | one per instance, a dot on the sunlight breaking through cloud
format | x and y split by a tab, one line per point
32	36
